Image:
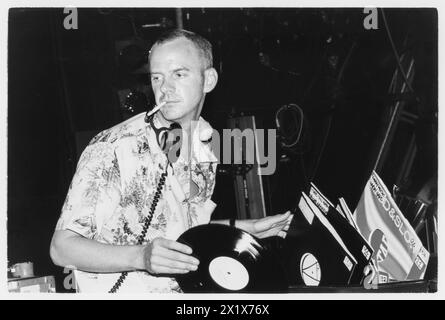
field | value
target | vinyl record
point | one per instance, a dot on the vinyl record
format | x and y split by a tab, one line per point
231	261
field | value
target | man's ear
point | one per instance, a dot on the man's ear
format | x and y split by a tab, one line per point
210	79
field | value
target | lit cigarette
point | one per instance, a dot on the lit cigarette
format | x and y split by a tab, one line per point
156	109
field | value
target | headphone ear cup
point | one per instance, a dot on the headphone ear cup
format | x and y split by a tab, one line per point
162	139
167	138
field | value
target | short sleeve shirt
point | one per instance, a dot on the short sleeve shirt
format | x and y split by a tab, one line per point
114	187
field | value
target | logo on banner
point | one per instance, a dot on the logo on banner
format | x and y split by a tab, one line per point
380	245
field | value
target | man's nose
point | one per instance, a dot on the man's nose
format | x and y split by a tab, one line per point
167	86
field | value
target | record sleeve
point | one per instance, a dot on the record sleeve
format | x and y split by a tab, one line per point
354	241
316	254
345	209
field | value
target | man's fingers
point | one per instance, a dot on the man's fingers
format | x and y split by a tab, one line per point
270	232
160	261
280	217
282	234
281	224
270	222
167	256
168	270
175	255
174	245
279	229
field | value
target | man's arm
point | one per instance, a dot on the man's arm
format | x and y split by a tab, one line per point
69	249
276	225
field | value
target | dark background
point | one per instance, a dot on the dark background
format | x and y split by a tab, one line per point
63	87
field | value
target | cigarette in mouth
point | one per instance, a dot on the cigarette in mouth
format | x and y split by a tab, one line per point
156	109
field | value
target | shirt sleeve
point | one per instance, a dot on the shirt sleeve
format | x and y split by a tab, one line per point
94	192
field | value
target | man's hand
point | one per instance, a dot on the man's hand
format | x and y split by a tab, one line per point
276	225
162	256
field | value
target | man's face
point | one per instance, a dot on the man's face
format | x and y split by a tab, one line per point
178	77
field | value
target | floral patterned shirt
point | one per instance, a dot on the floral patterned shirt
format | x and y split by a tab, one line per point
112	191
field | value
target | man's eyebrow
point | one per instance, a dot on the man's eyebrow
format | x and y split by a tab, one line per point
181	69
175	70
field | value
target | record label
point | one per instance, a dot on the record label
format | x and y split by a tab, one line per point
310	270
229	273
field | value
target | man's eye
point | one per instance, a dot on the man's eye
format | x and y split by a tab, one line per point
179	75
155	78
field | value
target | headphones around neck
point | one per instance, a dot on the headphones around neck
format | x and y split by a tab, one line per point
167	138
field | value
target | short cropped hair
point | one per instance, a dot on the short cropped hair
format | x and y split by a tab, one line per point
202	44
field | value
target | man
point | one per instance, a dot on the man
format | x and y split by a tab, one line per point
124	181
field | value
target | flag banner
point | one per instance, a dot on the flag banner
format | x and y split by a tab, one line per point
398	252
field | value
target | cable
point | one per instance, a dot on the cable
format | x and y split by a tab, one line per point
301	122
147	222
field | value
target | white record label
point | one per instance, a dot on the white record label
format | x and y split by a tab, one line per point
310	270
229	273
